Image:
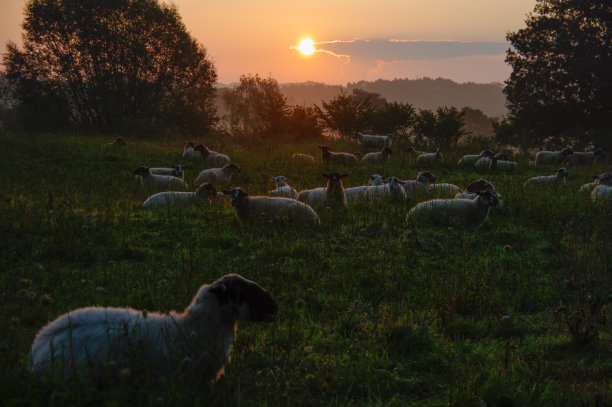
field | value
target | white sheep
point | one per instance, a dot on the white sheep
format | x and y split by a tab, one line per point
552	157
392	191
218	176
603	188
160	181
419	184
428	158
443	190
371	141
212	157
271	209
189	150
589	158
377	157
196	342
303	158
559	178
177	171
503	165
282	188
332	195
356	193
201	196
470	160
330	157
467	213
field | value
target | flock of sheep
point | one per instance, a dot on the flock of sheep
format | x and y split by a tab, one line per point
199	340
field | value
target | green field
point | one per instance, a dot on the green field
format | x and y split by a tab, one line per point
371	312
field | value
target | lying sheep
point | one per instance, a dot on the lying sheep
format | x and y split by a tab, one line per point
160	181
330	157
420	184
552	157
282	188
304	158
177	171
427	158
189	151
196	342
201	196
212	157
559	178
589	158
391	191
271	209
356	193
333	195
467	213
377	157
371	141
470	160
217	176
503	165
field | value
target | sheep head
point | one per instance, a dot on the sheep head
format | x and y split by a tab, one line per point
142	171
248	299
566	151
486	153
489	197
233	166
179	170
206	190
562	172
480	185
238	196
426	177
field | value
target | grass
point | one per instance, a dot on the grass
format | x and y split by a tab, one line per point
371	312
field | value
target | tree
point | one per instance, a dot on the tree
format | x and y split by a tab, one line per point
303	123
108	64
559	90
345	114
442	128
393	118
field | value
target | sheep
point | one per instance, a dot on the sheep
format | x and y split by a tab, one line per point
282	188
377	157
470	160
603	187
392	191
332	195
164	181
474	187
218	175
177	171
356	193
503	165
443	189
196	342
589	158
466	213
212	157
420	184
371	141
189	151
559	178
429	157
330	157
303	158
552	157
202	196
271	209
604	179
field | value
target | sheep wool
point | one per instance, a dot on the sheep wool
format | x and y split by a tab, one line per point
159	181
371	141
166	199
217	176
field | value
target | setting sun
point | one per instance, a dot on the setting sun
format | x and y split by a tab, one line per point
306	46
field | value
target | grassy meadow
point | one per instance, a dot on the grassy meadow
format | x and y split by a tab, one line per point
371	312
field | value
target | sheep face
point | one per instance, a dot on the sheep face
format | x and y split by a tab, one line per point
603	179
486	153
247	299
238	196
394	183
232	166
480	185
489	197
375	179
279	179
334	180
179	170
562	172
142	171
206	190
426	177
566	151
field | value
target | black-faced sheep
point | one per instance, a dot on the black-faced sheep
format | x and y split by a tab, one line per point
330	157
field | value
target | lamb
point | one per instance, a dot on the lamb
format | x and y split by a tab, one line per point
218	175
377	157
330	157
420	184
470	160
589	158
372	141
429	157
356	193
392	191
177	171
466	213
271	209
282	188
503	165
304	158
212	157
332	195
557	179
195	343
552	157
201	196
189	151
163	181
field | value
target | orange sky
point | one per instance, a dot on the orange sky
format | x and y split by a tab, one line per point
466	37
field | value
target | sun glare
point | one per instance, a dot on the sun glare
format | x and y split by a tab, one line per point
306	46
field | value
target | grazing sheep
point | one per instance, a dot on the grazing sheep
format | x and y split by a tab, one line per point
467	213
282	188
162	181
560	177
271	209
175	172
218	176
333	195
196	342
377	157
503	165
427	158
212	157
391	191
189	151
303	158
201	196
578	158
371	141
356	193
330	157
470	160
552	157
419	184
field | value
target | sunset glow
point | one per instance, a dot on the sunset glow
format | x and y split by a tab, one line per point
306	46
